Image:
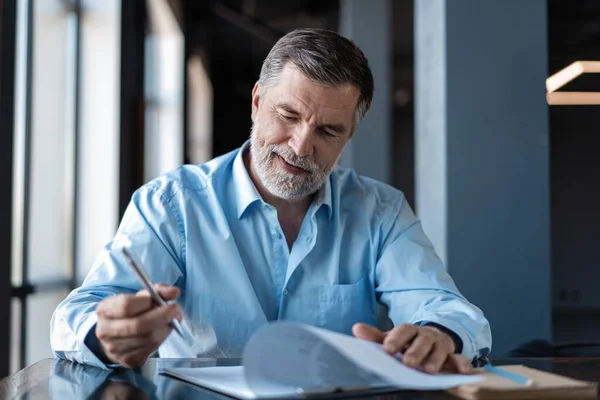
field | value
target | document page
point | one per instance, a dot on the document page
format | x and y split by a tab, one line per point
308	357
287	353
371	357
229	380
288	359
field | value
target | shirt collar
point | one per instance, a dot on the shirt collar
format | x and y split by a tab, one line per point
323	197
246	193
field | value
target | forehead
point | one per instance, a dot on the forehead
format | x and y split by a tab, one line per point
295	88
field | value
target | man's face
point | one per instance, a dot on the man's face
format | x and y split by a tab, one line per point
298	133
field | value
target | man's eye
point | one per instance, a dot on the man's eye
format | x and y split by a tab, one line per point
289	118
326	132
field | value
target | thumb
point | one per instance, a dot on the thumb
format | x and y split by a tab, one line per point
367	332
459	363
167	292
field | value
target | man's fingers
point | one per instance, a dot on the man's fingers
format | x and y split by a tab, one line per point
421	346
123	306
156	318
167	292
436	359
397	339
418	350
136	358
458	363
120	346
367	332
116	348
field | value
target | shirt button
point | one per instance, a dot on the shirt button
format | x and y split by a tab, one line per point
275	234
285	292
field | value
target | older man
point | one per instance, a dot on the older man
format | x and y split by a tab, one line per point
276	230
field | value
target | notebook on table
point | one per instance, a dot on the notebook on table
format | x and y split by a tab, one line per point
292	360
541	385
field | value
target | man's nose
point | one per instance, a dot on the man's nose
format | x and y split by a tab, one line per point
302	142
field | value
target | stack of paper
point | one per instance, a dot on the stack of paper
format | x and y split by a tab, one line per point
286	359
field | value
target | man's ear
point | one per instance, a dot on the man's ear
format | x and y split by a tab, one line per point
255	100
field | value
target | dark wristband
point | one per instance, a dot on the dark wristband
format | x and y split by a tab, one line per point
92	343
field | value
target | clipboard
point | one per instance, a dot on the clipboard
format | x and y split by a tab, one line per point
541	385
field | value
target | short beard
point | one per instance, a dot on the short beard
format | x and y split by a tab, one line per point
279	182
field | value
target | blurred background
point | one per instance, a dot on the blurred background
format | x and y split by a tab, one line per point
97	97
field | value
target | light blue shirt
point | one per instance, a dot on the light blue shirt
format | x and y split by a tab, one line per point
207	230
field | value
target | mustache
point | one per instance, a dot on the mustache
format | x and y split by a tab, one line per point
291	158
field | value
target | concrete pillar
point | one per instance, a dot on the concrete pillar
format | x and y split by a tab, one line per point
482	157
367	23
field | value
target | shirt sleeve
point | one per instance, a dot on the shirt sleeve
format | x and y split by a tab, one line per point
152	231
412	283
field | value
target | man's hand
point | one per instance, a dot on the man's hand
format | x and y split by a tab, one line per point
121	391
422	346
131	327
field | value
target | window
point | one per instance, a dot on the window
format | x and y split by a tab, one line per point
97	195
164	91
66	157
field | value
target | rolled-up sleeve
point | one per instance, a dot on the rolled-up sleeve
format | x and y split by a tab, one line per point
412	283
151	230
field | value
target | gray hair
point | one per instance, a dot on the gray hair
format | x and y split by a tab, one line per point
324	57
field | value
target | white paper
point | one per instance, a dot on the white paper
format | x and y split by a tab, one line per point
292	355
329	359
229	380
284	359
371	356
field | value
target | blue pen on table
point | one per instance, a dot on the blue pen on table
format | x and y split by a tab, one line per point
156	298
522	379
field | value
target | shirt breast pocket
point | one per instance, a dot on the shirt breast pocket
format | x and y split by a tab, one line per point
341	306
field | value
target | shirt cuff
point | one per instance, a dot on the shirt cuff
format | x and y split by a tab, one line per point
87	355
92	343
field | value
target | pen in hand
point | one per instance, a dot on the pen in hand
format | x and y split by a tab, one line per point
156	298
